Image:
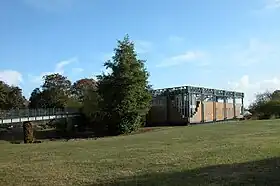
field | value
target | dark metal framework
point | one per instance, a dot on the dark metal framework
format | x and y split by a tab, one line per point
183	97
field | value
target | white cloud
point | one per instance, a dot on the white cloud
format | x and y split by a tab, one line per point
253	53
265	8
251	88
272	4
175	39
261	61
204	64
59	68
188	56
11	77
143	47
50	5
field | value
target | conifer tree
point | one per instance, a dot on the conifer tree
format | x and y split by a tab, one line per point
125	96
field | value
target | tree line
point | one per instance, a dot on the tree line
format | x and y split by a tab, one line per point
11	97
113	103
266	105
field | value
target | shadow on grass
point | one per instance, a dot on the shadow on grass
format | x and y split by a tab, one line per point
15	136
174	124
263	172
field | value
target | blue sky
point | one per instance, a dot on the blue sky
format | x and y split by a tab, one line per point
228	44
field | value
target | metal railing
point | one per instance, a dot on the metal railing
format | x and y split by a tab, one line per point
21	113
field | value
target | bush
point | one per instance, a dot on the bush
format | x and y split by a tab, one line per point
60	125
266	106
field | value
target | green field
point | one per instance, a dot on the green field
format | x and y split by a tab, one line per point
213	154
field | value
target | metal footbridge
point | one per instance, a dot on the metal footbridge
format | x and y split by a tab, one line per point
23	115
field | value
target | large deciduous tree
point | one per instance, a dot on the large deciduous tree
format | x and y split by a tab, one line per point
56	89
125	96
11	97
36	99
85	91
54	93
81	87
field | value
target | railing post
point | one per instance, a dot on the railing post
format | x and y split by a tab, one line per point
242	106
225	106
168	106
234	107
202	106
188	108
214	107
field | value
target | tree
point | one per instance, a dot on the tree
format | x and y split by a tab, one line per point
36	99
15	98
266	105
84	96
54	93
261	99
11	97
56	90
125	96
275	95
92	112
81	87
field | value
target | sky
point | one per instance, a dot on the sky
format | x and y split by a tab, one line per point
223	44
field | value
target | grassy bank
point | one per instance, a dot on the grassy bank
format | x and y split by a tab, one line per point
233	153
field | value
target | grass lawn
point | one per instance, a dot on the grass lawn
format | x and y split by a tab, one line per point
242	153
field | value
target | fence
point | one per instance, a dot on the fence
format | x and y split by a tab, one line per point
21	113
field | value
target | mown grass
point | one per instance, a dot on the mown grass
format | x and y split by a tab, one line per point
241	153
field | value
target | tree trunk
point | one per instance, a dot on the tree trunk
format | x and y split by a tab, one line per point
27	132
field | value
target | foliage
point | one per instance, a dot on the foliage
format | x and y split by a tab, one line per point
54	93
116	103
73	103
56	89
60	125
91	105
124	92
275	95
84	92
81	87
36	99
11	97
266	105
57	92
